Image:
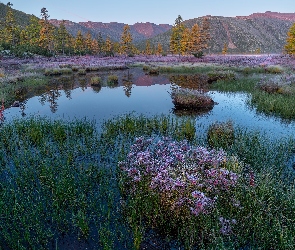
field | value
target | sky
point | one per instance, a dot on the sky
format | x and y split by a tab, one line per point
154	11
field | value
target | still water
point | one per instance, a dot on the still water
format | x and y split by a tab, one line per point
139	93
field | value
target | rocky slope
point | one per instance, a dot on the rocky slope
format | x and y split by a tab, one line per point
139	31
266	32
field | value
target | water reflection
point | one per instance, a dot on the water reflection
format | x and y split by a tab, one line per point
73	97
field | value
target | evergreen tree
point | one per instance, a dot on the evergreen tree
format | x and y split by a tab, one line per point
205	34
176	36
290	44
10	33
195	45
159	49
108	47
100	42
95	49
224	50
63	39
185	41
30	35
79	43
148	50
88	43
46	39
126	41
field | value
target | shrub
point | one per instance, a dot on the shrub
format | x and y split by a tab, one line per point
221	134
178	188
191	99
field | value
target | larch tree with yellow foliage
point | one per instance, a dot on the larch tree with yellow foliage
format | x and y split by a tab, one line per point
126	46
10	32
46	38
176	36
290	45
185	41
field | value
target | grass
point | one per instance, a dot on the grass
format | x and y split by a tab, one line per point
61	180
191	99
278	102
21	90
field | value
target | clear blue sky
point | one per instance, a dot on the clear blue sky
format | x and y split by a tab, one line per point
155	11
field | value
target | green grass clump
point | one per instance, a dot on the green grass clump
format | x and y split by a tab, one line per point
274	69
221	135
267	95
214	76
57	71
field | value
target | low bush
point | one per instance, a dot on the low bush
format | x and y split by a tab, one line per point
191	99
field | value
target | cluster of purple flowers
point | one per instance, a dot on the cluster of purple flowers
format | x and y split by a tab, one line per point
40	62
185	176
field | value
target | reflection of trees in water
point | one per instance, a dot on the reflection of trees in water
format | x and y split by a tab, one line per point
22	107
127	83
198	81
51	97
82	81
67	85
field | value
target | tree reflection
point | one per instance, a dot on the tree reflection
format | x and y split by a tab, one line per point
127	83
198	81
51	97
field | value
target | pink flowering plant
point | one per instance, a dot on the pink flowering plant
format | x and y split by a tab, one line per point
172	183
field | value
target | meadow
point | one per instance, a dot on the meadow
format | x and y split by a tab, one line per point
142	182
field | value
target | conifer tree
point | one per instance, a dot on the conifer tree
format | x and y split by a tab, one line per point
79	43
148	50
46	38
100	42
126	41
195	43
205	34
63	39
30	35
185	41
95	49
108	47
176	36
10	33
224	50
290	44
88	43
159	49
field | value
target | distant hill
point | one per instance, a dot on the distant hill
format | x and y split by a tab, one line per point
22	18
139	31
243	34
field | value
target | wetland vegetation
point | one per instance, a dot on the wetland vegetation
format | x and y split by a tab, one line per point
147	181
